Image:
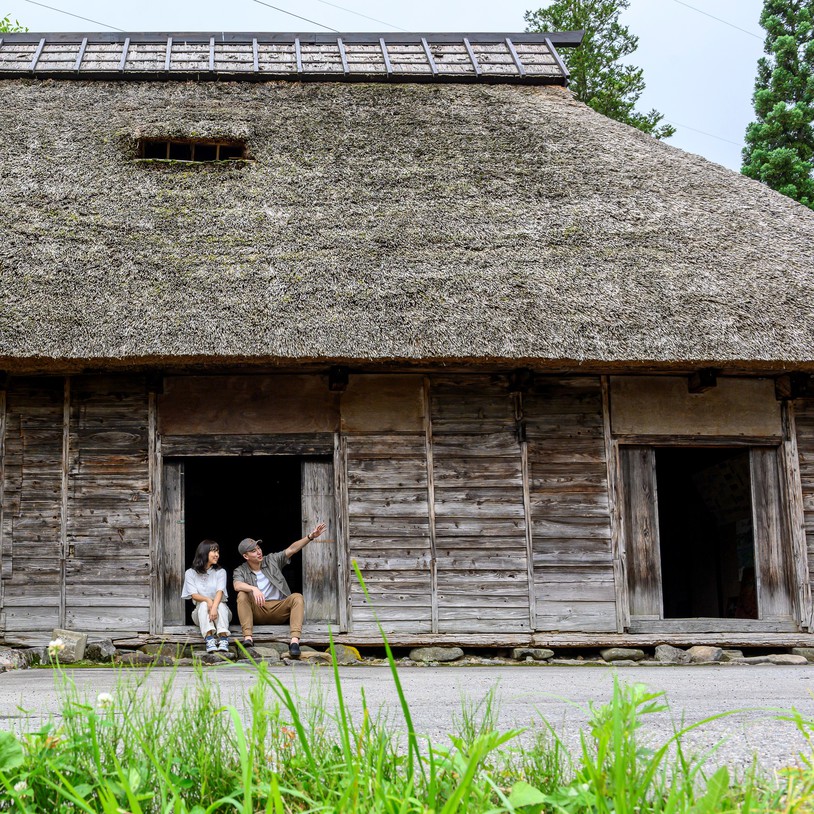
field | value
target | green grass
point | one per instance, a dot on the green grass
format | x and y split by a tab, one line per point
181	750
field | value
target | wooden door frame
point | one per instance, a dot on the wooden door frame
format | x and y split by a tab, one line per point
799	593
327	445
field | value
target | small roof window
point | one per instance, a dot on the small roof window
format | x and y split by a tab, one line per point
191	150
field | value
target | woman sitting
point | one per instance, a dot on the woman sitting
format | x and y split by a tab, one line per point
205	585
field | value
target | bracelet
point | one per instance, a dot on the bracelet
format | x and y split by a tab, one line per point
310	538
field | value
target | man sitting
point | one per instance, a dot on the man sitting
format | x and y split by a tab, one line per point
263	595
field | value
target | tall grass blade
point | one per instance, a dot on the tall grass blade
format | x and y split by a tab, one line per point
414	753
343	713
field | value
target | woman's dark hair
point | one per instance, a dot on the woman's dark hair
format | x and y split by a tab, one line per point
200	561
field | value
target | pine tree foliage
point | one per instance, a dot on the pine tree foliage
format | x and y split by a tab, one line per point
780	143
597	76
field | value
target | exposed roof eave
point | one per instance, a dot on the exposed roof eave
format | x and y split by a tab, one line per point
522	58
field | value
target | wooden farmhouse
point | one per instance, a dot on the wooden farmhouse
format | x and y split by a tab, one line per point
547	379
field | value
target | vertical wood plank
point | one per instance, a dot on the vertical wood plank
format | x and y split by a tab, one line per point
480	520
32	501
319	557
792	492
63	516
431	505
172	532
156	538
617	549
109	504
525	478
642	530
343	531
772	554
5	554
568	484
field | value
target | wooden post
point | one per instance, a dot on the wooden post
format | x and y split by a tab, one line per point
772	554
642	532
431	505
63	511
171	533
342	531
156	538
616	520
319	558
524	473
793	501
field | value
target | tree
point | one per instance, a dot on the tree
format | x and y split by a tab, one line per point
597	77
780	144
9	26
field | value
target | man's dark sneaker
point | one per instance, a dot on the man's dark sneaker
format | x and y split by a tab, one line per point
294	650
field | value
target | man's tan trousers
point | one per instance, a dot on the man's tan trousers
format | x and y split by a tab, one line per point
291	609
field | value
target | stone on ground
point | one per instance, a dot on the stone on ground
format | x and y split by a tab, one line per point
11	659
100	650
267	653
751	660
172	649
346	655
622	654
428	654
73	645
534	653
705	653
135	658
806	652
314	656
786	658
668	654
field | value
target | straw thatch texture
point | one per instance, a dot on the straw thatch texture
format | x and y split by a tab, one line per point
380	222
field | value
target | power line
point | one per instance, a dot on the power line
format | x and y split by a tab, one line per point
704	133
358	14
725	22
291	14
70	14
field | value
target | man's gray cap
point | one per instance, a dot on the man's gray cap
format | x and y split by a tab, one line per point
248	544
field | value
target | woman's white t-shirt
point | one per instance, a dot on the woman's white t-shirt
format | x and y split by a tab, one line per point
207	584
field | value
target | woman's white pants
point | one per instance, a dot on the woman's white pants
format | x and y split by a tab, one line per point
200	615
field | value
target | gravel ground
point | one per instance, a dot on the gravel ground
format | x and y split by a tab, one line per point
525	694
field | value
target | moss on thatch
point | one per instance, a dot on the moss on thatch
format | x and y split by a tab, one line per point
413	222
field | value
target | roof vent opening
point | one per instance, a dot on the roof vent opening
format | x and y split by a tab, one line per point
207	150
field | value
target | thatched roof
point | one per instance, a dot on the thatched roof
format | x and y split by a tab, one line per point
424	223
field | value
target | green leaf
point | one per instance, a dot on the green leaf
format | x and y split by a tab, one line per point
523	794
716	789
11	752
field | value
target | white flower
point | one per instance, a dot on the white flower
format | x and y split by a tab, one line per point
20	786
104	700
55	647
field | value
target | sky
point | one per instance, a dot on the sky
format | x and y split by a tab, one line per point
699	70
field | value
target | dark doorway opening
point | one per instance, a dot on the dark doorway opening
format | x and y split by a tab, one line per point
706	533
229	498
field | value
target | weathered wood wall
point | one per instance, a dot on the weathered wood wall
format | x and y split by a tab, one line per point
32	504
804	420
470	506
108	558
480	526
75	531
388	509
573	562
